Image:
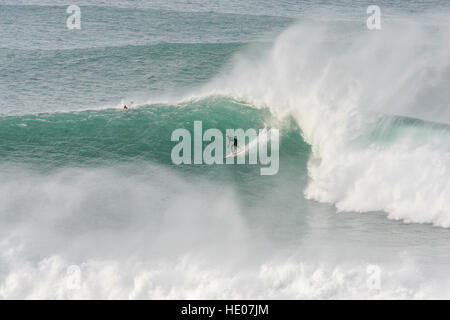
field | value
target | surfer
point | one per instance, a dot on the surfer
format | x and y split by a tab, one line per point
125	107
232	143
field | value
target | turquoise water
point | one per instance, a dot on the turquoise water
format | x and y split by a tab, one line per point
364	150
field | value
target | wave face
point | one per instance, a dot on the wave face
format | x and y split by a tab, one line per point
91	205
113	136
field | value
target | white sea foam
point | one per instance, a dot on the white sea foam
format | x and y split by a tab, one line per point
187	278
337	80
146	232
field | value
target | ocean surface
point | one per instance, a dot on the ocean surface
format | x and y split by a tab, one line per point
91	205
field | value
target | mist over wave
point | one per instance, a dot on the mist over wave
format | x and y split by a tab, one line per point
178	239
346	86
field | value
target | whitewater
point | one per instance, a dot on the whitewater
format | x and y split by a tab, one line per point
91	205
348	103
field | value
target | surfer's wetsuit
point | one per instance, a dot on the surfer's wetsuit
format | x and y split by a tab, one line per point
235	142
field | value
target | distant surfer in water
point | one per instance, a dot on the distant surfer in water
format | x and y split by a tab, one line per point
125	106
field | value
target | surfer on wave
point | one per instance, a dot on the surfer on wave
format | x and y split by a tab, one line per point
234	141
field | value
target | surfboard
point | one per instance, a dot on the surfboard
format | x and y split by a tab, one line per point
234	154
